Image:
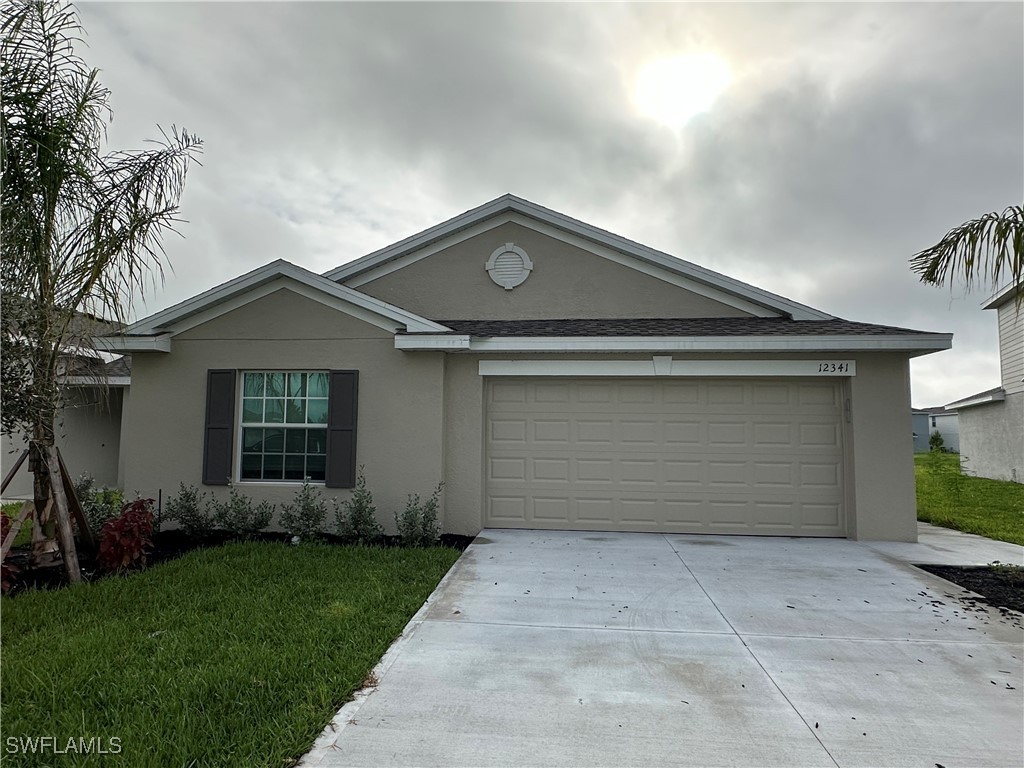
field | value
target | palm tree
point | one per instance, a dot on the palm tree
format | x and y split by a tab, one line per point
81	230
988	249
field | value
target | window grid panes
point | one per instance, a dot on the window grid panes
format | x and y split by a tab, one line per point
284	425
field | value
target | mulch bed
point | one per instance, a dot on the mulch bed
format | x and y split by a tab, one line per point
1000	586
167	545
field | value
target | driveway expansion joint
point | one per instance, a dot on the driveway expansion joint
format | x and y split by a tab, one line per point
811	729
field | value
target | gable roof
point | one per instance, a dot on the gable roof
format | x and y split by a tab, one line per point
242	290
994	395
1003	296
635	255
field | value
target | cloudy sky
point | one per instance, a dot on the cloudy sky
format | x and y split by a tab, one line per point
849	137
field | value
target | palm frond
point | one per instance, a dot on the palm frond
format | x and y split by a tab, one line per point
987	249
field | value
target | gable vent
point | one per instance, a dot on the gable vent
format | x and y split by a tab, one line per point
509	266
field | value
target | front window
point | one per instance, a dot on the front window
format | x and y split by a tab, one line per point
284	425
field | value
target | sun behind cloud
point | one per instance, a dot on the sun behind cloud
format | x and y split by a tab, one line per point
672	90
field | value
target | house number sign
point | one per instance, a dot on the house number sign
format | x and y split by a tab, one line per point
826	367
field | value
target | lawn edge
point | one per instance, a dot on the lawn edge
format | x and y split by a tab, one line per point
326	742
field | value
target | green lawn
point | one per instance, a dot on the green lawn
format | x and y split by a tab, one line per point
231	656
24	537
946	497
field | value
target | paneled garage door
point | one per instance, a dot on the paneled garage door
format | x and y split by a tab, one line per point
674	455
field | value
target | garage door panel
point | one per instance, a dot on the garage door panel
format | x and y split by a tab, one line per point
823	516
551	509
595	511
506	509
666	455
819	435
508	432
635	512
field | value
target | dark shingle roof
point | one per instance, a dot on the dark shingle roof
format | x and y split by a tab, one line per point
686	326
88	366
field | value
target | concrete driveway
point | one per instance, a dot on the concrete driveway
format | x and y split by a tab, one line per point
578	649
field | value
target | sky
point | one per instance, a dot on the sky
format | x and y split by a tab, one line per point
847	138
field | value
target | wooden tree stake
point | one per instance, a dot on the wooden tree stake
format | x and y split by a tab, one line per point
65	535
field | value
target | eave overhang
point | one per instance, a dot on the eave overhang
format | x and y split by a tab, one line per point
916	344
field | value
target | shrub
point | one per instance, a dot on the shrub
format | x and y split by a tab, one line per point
238	515
125	539
100	505
936	442
7	570
417	523
356	519
306	515
189	509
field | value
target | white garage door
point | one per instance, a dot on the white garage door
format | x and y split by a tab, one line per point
672	455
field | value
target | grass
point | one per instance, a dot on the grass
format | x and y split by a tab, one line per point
947	497
24	537
230	656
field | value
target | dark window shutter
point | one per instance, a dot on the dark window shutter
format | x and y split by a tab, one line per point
341	429
220	427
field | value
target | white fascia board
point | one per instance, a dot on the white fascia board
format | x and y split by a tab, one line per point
283	283
160	343
619	249
419	240
431	342
98	381
989	397
1002	296
668	367
729	285
246	288
931	342
672	277
921	344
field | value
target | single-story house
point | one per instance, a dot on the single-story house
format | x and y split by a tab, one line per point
937	419
88	430
992	422
552	374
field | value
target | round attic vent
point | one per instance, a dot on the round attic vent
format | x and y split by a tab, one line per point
509	266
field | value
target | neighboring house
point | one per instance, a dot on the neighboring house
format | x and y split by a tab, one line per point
89	424
552	375
938	419
992	422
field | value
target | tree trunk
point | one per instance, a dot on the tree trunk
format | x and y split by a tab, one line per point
45	549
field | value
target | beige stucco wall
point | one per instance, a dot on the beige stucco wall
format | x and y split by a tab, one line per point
88	435
992	439
566	282
879	445
400	409
421	415
882	445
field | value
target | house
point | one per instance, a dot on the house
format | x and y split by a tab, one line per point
88	429
553	375
927	421
992	422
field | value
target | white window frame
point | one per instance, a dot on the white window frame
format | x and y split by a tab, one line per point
240	425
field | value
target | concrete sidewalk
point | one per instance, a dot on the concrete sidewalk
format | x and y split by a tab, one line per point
578	649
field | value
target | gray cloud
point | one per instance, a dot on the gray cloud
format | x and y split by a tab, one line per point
853	136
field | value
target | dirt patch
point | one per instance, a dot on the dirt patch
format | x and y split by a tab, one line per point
1001	586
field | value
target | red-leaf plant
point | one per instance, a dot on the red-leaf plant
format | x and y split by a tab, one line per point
125	539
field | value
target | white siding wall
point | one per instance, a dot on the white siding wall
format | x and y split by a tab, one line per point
1011	346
